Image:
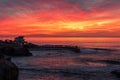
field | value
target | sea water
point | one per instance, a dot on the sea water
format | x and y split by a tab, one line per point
79	41
67	65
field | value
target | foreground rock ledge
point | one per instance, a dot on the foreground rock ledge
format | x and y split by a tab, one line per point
116	72
8	70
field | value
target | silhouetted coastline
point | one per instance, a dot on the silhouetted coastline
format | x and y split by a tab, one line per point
21	48
19	42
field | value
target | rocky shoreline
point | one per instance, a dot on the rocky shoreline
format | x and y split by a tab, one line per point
9	49
20	48
8	70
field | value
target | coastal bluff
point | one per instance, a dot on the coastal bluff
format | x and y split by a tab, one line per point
14	47
8	70
20	47
15	51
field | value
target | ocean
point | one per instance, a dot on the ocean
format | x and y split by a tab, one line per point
89	64
78	41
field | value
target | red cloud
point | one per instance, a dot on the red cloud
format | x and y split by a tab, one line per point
51	17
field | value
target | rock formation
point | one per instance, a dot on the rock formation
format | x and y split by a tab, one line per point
116	72
8	70
15	51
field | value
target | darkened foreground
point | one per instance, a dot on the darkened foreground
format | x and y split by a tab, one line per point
66	65
8	70
15	51
57	62
20	47
8	49
14	48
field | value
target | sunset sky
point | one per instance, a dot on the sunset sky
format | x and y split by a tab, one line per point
60	18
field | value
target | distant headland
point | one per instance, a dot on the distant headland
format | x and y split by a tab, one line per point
19	41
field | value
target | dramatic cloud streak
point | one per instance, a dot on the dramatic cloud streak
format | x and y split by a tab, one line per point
60	18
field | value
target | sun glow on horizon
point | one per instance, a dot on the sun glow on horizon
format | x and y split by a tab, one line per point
61	18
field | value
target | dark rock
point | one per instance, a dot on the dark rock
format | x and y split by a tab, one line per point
75	49
111	62
15	51
1	56
7	51
22	51
8	70
116	72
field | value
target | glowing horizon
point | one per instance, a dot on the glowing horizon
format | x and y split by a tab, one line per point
60	18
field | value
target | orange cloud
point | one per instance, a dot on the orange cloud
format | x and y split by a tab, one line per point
60	18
